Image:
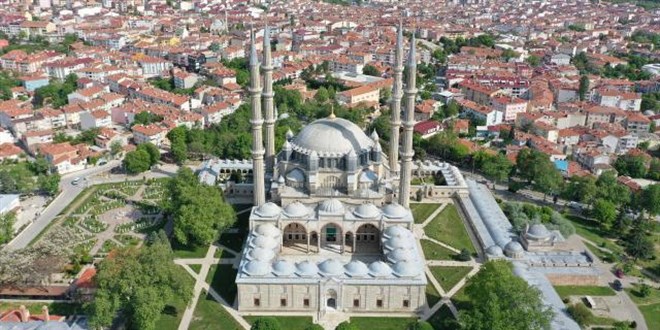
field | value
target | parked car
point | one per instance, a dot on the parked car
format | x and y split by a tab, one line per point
75	181
617	285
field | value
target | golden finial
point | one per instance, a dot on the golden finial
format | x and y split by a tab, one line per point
332	112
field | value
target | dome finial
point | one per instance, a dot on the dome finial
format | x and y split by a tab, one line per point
332	112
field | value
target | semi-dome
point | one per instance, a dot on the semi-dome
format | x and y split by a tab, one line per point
356	268
263	242
394	211
332	206
306	269
513	249
401	255
398	242
268	210
379	269
495	250
296	210
331	136
331	267
257	268
406	268
283	268
261	254
267	229
538	231
366	211
395	231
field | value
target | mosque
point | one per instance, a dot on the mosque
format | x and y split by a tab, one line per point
335	233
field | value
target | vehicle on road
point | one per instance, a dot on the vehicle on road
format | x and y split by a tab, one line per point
75	181
616	285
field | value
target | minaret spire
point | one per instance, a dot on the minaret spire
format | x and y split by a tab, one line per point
408	123
395	105
257	142
267	99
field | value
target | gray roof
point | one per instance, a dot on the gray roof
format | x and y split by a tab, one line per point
6	200
331	137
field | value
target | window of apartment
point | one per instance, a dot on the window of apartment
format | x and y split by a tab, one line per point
306	302
283	302
356	302
379	303
406	303
256	302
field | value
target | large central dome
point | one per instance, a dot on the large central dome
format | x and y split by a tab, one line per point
331	136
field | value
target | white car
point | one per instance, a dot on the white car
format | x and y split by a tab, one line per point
75	181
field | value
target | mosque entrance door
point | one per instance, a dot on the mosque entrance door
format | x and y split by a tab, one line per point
331	234
332	303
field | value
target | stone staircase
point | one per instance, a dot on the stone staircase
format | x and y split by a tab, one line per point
331	319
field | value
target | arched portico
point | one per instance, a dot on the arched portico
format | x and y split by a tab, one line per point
367	239
332	237
294	236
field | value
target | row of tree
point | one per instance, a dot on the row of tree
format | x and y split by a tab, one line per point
20	177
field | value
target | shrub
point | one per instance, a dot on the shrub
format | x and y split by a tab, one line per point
420	325
346	326
314	327
580	313
464	255
266	323
645	290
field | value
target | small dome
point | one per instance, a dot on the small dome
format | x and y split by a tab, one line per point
401	255
394	211
295	175
395	231
379	269
268	210
366	211
406	268
283	268
538	231
398	242
356	268
263	242
257	268
306	269
260	254
331	267
495	250
296	210
268	229
332	206
513	249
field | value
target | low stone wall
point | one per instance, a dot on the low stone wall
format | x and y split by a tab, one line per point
573	279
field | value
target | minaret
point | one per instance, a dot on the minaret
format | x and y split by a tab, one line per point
257	122
267	99
408	123
395	107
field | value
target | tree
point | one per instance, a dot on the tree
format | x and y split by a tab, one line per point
136	284
638	244
608	188
497	167
152	150
502	300
533	60
371	70
49	184
633	166
452	109
464	255
137	161
214	47
199	211
644	290
581	189
7	221
583	88
605	212
266	323
347	326
115	148
580	313
650	199
40	165
146	117
321	95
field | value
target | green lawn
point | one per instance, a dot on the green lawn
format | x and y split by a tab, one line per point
209	314
171	316
382	323
222	279
232	241
422	211
189	252
448	277
222	254
461	300
590	230
286	322
432	295
448	227
578	290
55	308
195	268
434	251
649	306
443	319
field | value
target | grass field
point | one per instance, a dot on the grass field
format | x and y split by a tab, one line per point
434	251
590	230
443	319
448	227
195	268
222	280
209	314
432	295
382	323
422	211
286	322
575	290
182	251
54	308
448	277
649	306
171	316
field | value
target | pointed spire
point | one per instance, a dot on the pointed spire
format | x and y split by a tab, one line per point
253	49
412	57
266	48
374	136
332	112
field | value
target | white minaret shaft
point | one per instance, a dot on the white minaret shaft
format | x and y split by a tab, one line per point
267	99
257	122
408	123
395	106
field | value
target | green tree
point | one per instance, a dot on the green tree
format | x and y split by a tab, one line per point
137	161
199	211
605	212
49	184
533	60
501	300
580	313
40	165
633	166
583	88
321	95
581	189
152	150
650	199
116	148
266	323
146	118
347	326
371	70
7	221
609	189
136	284
638	244
497	167
452	109
535	167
